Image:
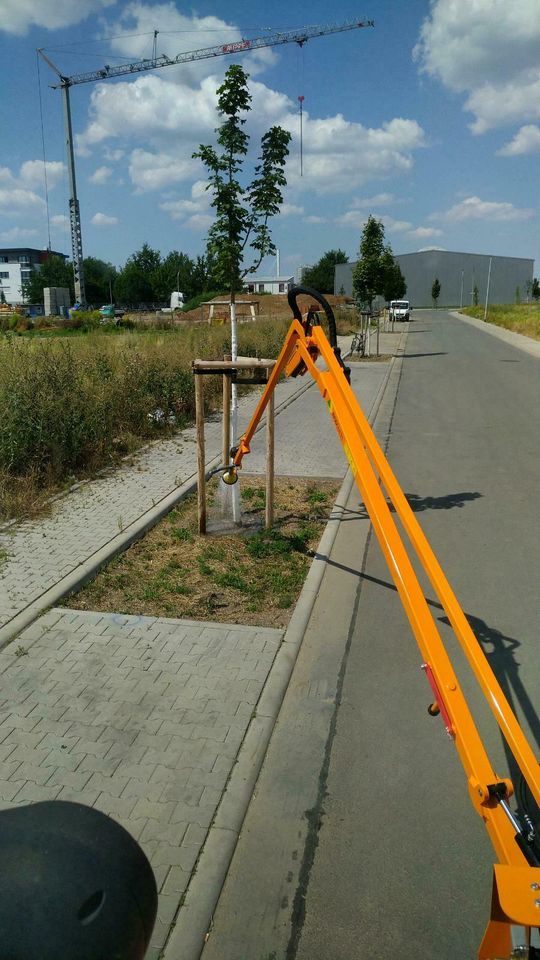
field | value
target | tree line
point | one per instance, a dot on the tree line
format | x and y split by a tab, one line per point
145	278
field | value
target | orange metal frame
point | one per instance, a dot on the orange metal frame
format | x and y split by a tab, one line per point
516	884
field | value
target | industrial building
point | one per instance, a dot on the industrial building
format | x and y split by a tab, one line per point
16	265
458	275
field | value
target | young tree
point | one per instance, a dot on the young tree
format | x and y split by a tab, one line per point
535	289
242	211
475	295
321	274
368	275
435	291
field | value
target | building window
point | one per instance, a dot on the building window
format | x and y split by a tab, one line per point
4	275
261	288
282	288
24	259
3	259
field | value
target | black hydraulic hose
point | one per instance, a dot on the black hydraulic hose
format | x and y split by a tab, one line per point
295	292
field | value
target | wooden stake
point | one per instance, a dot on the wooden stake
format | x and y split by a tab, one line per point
226	415
201	480
269	513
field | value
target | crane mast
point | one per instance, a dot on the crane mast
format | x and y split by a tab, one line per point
154	63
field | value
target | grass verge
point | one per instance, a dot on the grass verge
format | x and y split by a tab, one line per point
522	318
251	577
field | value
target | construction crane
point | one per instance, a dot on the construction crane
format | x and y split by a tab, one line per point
154	63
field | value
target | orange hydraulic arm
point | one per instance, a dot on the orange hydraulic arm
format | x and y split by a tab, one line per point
516	881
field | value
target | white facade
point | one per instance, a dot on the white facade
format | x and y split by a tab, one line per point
11	282
269	284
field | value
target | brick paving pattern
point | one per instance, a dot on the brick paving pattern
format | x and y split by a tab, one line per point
140	717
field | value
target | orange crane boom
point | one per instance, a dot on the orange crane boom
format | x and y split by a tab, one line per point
516	877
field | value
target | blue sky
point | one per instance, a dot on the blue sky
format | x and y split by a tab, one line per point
430	121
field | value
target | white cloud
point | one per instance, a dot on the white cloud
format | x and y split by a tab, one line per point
426	232
379	200
425	249
473	208
357	219
19	15
101	175
314	219
17	233
153	110
102	220
60	220
526	140
113	156
32	172
153	171
487	49
290	210
14	200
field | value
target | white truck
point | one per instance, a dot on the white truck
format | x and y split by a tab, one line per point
177	302
400	309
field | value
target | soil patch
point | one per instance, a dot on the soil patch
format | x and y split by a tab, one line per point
249	575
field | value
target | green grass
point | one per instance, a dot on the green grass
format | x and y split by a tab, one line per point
522	318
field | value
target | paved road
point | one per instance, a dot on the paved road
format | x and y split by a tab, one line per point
402	866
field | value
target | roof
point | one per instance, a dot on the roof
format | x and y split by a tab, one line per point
268	279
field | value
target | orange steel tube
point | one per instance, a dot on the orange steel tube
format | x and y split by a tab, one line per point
370	469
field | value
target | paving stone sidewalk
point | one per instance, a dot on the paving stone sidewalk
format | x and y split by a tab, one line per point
141	717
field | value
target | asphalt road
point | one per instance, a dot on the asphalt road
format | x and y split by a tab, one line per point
403	864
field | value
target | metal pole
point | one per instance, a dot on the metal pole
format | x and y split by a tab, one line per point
461	295
74	211
226	436
235	492
487	289
301	101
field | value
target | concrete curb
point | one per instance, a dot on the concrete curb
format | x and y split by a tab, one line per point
518	340
89	567
194	919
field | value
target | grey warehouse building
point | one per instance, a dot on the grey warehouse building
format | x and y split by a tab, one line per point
458	274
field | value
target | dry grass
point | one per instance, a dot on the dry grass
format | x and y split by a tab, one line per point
522	318
250	577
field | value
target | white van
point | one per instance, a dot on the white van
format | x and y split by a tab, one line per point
400	309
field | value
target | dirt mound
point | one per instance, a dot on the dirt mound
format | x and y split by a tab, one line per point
269	306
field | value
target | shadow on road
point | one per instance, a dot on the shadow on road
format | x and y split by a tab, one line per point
439	353
448	502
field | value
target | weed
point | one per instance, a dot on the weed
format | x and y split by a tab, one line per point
232	580
316	496
21	651
182	533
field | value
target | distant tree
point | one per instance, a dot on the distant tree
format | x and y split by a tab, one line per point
134	282
2	297
242	211
535	289
394	285
99	279
435	291
175	272
475	295
369	273
54	272
518	295
321	274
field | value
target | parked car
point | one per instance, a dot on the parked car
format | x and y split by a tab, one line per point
400	309
109	312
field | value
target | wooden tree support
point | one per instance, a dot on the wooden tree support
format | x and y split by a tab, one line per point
257	372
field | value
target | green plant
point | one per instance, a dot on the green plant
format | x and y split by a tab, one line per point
435	291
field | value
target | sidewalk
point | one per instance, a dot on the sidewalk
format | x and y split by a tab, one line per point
161	723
